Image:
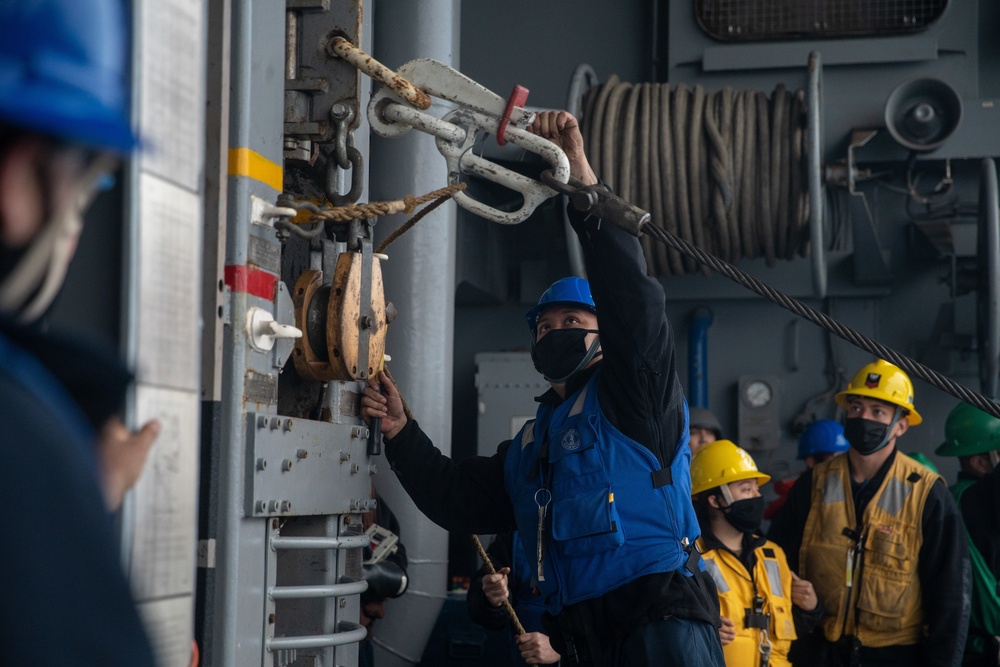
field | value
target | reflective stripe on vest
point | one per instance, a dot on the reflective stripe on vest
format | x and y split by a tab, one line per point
879	601
736	592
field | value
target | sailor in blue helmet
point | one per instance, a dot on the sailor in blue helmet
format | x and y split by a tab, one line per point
819	441
598	484
63	121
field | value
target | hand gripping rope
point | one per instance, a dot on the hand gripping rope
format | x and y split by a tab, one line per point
518	628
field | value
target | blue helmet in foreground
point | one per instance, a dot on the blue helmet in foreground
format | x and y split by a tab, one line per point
63	70
824	436
565	290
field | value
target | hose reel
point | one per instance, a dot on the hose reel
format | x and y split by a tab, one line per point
736	159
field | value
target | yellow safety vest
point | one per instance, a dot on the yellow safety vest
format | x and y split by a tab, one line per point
875	597
736	593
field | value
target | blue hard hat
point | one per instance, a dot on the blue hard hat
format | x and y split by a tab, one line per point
565	290
64	69
823	436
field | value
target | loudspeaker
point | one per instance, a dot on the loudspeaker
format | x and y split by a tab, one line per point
922	113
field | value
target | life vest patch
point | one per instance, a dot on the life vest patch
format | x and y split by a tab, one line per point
571	440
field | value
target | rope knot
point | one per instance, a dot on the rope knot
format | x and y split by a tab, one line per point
409	203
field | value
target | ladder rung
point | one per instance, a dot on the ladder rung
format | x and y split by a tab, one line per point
349	633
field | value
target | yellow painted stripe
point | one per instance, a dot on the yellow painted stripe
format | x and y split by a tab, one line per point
245	162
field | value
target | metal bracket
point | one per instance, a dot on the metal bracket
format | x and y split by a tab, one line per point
871	266
309	49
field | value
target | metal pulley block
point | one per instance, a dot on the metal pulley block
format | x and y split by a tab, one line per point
343	322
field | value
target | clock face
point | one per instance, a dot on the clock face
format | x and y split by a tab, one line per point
757	394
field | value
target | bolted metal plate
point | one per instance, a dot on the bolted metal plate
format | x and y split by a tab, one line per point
297	467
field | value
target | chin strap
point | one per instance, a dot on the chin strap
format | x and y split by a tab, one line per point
888	430
727	494
34	283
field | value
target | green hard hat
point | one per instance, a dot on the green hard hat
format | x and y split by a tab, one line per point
922	459
968	431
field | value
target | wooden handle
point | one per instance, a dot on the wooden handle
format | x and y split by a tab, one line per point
518	628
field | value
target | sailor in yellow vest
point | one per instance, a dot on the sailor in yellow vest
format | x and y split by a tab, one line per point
881	538
761	601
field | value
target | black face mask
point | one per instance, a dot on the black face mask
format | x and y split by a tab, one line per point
745	515
866	436
562	352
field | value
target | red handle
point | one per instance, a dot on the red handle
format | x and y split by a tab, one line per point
517	98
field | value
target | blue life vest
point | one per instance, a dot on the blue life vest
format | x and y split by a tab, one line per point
614	515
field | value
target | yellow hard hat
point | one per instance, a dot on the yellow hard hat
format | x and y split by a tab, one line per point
885	382
722	462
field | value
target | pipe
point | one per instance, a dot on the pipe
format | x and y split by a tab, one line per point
347	633
701	320
420	280
381	73
817	198
584	78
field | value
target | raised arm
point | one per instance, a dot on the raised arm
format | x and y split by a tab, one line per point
640	391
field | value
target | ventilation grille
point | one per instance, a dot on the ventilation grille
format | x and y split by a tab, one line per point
744	20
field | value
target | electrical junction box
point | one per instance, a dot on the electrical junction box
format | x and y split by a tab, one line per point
507	383
758	408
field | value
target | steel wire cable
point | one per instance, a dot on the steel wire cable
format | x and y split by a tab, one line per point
911	366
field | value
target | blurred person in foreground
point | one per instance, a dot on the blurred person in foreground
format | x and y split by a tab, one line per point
68	459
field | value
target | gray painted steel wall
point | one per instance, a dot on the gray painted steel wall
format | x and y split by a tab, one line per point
750	335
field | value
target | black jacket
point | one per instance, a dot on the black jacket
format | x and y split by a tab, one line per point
640	394
981	511
66	600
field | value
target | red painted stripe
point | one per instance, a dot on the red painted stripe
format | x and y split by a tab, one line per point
252	281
